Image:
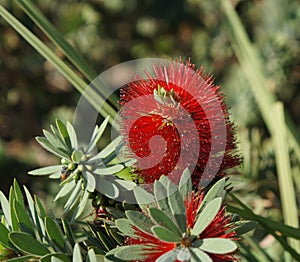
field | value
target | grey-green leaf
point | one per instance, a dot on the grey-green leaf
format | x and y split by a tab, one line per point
169	256
206	216
165	234
143	198
125	227
77	254
107	188
28	244
72	134
217	190
18	193
134	252
217	245
111	147
97	135
4	239
91	181
12	199
23	219
198	255
109	170
64	134
161	195
185	183
81	206
162	219
55	257
184	254
177	206
49	147
139	220
91	256
65	190
5	208
54	233
44	171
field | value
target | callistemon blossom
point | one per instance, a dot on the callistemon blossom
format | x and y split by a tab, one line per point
179	228
219	227
177	118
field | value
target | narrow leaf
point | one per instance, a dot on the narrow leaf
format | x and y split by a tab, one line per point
4	239
169	256
177	206
140	220
64	134
13	217
143	198
110	148
18	193
28	244
77	254
65	190
74	197
165	234
81	206
135	252
59	256
93	98
109	170
54	233
243	227
217	190
198	255
125	227
5	208
73	135
56	141
49	147
23	219
206	216
97	135
91	181
68	231
184	254
161	196
40	207
185	183
107	188
45	170
91	256
162	219
216	245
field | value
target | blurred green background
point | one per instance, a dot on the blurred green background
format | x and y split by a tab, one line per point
106	33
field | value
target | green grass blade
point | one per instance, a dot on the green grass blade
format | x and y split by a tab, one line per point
270	226
43	23
285	180
57	38
92	97
246	212
253	70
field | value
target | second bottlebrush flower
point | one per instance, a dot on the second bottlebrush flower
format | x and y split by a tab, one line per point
176	118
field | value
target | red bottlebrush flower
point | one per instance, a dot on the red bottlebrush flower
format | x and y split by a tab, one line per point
156	247
219	227
175	119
